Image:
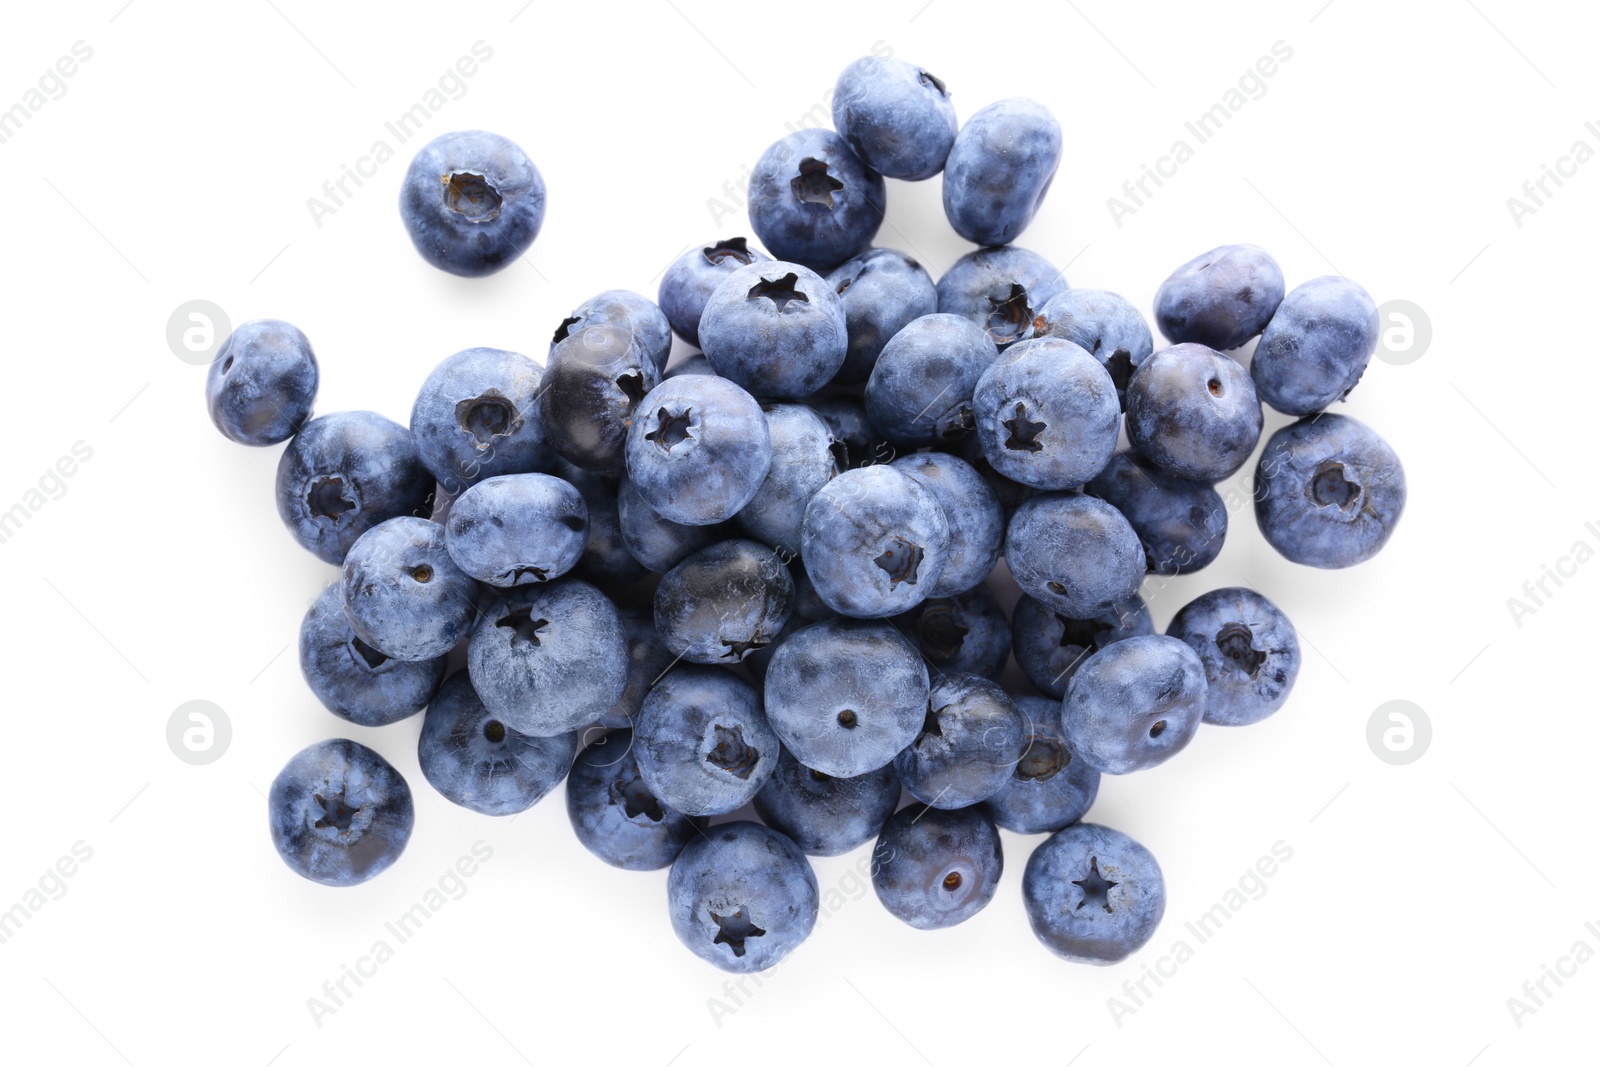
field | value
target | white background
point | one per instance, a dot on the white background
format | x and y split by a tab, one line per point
177	166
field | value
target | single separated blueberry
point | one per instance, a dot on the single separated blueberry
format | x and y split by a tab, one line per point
703	742
1093	895
1221	298
874	542
742	897
1249	649
933	869
968	632
595	379
614	813
472	202
1316	347
999	170
477	416
1181	523
813	202
354	680
518	529
689	282
897	117
723	602
1104	325
1329	492
344	473
1047	414
1050	647
475	760
698	450
262	383
776	329
1001	290
659	543
1193	411
972	511
824	815
803	461
339	813
1047	789
881	290
920	391
403	594
1135	703
969	744
652	333
1075	554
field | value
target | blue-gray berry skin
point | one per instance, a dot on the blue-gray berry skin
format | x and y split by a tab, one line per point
1316	347
1193	411
403	594
518	529
1092	894
477	416
742	897
803	461
659	543
1047	414
1050	646
1249	649
472	202
606	560
475	760
1135	703
1076	554
812	201
1001	290
1181	523
595	379
689	282
969	744
344	473
1048	788
999	170
933	869
648	660
968	632
548	659
339	813
856	442
723	602
882	290
1103	324
262	383
698	450
623	308
1220	298
1329	492
703	742
874	542
920	391
776	329
824	815
846	696
972	511
613	812
694	363
897	117
354	680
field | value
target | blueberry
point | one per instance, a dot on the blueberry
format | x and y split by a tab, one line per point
1181	523
614	813
1220	299
652	333
1050	647
339	813
606	559
897	117
1135	703
723	602
698	450
1093	895
1249	650
595	379
694	363
742	897
1101	323
1047	789
1329	491
1010	493
813	202
776	329
824	815
882	290
968	746
999	170
354	680
968	632
547	659
403	594
475	760
846	696
518	529
1193	411
1316	347
660	544
875	542
688	283
856	443
477	416
260	386
1001	290
703	742
1076	554
920	390
803	461
648	660
1047	414
933	869
472	202
344	473
972	511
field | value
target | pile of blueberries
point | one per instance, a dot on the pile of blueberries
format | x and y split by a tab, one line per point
758	578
